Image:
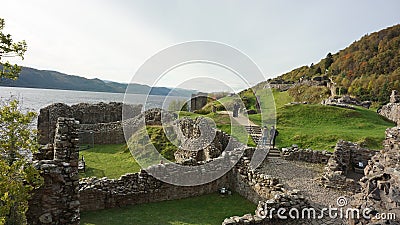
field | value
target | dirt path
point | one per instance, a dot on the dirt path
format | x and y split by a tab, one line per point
242	120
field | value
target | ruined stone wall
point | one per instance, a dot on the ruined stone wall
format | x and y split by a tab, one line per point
345	101
294	153
195	145
261	189
381	183
85	113
57	201
138	188
143	187
346	156
392	109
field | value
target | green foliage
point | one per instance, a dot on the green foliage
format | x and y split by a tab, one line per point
202	210
9	48
363	68
17	176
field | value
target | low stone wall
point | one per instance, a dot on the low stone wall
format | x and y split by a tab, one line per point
345	158
294	153
381	183
57	202
137	188
345	101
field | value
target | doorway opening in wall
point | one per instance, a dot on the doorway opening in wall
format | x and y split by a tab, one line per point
86	139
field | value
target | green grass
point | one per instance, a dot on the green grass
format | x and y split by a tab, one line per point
203	210
320	127
110	161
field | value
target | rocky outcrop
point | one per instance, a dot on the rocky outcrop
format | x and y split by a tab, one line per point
57	201
381	184
346	157
392	109
346	102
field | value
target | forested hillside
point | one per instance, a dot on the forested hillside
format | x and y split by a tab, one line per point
368	69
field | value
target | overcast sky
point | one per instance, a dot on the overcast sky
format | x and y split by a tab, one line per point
110	40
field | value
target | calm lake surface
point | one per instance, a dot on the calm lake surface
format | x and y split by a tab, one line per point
34	99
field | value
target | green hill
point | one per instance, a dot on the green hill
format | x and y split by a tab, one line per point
368	69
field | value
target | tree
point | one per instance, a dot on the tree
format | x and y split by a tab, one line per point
328	61
17	175
9	48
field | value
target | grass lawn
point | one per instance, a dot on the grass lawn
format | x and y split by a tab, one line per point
110	161
203	210
320	127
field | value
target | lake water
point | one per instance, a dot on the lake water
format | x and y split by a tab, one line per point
35	99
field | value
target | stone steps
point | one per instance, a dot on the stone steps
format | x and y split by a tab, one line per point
274	153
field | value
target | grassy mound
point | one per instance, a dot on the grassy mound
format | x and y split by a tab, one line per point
207	209
320	127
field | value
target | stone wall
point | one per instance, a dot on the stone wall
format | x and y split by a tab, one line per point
381	183
294	153
57	201
85	113
261	189
392	109
345	158
344	101
197	140
198	101
138	188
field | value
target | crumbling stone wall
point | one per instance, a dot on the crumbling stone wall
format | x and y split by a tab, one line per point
57	201
345	101
392	109
381	183
294	153
346	156
192	146
85	113
262	189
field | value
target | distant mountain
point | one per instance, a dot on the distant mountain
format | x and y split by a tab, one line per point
369	68
47	79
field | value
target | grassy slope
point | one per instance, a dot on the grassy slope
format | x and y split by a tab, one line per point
203	210
320	127
108	161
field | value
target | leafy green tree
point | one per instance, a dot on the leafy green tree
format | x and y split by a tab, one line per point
18	177
9	48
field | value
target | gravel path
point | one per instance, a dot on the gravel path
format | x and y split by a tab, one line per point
303	176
